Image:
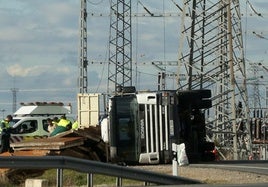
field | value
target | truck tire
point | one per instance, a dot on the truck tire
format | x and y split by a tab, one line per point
208	157
207	146
129	89
204	93
197	99
201	104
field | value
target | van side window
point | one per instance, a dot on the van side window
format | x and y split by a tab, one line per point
26	127
33	126
45	124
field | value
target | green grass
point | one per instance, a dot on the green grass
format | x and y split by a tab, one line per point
76	179
70	178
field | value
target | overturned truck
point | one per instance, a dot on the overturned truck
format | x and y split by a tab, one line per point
143	126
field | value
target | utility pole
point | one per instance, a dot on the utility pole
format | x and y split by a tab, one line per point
232	79
14	96
83	61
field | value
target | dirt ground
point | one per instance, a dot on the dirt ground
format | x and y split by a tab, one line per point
210	175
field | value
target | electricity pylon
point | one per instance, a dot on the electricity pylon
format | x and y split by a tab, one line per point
211	54
83	62
120	45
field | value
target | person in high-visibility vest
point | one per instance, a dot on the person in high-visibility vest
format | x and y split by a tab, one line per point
5	130
75	125
63	125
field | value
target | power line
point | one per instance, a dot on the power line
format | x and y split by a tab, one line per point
42	90
253	9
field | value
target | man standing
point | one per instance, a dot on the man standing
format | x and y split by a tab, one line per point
5	129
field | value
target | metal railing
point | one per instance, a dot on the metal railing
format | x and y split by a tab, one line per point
91	167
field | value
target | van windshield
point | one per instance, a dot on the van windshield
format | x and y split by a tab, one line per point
13	122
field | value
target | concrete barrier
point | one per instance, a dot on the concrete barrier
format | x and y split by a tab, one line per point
36	183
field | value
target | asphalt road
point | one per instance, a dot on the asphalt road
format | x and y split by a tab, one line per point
223	185
253	166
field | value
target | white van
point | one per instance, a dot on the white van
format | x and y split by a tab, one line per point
30	120
29	127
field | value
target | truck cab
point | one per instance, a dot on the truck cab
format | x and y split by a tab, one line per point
144	125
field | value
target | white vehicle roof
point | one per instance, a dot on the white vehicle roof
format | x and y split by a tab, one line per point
43	109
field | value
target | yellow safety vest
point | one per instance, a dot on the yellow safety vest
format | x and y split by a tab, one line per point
4	125
64	122
75	125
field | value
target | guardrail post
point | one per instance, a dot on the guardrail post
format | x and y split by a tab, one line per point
174	161
59	177
118	181
90	179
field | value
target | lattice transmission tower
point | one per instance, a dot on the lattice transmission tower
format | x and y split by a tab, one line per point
211	54
83	61
120	45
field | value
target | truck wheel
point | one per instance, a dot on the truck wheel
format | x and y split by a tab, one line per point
129	89
208	157
207	146
194	93
200	104
197	99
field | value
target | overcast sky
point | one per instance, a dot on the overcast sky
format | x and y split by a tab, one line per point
39	46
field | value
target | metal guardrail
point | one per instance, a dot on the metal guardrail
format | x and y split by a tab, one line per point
90	167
